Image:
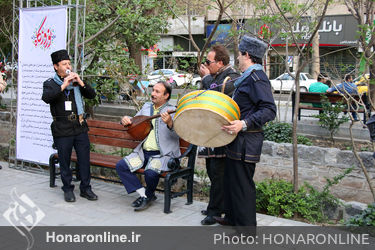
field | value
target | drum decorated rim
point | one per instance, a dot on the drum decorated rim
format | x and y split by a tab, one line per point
196	107
213	99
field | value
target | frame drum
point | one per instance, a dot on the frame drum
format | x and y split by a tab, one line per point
201	114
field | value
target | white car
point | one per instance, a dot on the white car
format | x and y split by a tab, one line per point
197	81
176	78
286	82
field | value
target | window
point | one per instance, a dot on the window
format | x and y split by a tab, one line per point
308	76
286	77
157	72
167	72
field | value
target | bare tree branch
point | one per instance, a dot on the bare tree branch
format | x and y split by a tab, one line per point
100	31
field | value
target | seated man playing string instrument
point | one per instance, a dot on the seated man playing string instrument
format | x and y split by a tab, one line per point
154	152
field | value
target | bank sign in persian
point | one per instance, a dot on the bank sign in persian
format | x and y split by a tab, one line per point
41	32
337	30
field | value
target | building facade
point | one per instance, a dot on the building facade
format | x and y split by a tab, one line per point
338	41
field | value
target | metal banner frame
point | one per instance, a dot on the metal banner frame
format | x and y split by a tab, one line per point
75	36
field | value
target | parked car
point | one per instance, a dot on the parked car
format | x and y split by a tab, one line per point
197	81
176	78
285	82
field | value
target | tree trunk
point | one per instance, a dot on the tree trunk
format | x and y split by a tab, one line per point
235	42
315	56
294	137
90	110
135	54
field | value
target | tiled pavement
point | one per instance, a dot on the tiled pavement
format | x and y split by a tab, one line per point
112	209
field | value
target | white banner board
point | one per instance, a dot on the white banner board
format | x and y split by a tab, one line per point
41	32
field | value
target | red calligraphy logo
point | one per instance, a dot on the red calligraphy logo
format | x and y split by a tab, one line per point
43	37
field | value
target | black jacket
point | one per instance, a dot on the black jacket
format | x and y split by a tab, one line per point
218	79
56	98
257	106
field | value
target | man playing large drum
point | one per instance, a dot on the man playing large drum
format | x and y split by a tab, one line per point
214	71
254	97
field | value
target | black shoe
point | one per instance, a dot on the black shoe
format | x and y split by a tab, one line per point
223	221
145	203
89	194
209	220
69	196
138	201
204	212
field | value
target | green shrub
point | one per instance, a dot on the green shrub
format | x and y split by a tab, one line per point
366	218
4	152
276	197
304	140
330	117
278	132
282	133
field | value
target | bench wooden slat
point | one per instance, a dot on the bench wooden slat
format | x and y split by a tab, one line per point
309	107
311	97
116	142
98	159
110	133
105	124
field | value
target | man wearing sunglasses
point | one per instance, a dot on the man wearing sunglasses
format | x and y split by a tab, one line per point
216	68
214	71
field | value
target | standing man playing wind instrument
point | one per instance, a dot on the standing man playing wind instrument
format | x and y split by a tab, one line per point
154	152
215	71
64	94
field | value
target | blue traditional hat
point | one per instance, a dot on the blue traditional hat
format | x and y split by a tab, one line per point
59	55
253	46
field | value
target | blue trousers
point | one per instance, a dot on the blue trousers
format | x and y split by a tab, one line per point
130	180
352	106
81	145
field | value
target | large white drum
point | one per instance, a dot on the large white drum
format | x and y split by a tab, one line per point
201	114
